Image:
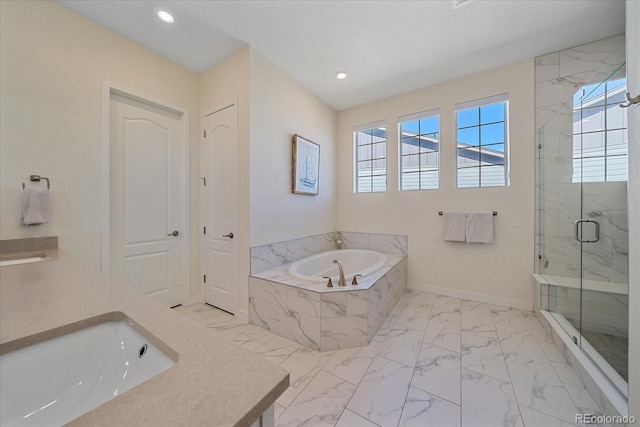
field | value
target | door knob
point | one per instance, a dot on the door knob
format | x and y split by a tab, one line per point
230	235
174	234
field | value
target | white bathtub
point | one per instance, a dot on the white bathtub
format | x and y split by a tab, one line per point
354	261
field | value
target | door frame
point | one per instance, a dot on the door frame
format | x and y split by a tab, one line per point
230	102
109	89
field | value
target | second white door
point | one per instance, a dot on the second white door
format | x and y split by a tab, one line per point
220	208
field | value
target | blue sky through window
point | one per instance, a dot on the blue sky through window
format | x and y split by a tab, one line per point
482	125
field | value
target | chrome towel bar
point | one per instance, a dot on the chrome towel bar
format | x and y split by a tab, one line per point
442	213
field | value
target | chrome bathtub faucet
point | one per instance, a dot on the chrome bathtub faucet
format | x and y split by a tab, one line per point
342	281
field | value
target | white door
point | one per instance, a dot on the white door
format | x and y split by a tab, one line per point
220	210
145	198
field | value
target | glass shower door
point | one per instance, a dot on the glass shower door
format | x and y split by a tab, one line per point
600	164
582	202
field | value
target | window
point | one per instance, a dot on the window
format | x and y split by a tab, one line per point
600	142
482	140
370	144
419	151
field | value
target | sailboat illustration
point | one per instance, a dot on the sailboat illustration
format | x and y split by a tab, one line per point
310	178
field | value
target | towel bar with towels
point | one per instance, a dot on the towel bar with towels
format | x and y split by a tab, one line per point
37	178
442	213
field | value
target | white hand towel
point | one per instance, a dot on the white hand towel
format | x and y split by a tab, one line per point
480	227
454	226
35	206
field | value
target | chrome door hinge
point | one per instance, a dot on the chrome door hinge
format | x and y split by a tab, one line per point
204	230
204	133
204	278
204	180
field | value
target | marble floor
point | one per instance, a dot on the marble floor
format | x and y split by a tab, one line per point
436	361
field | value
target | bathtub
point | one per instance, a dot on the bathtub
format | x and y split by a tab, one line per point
354	261
304	310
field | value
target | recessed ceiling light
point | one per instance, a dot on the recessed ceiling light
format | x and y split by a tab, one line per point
166	16
341	75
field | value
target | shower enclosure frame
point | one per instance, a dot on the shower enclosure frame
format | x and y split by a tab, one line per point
562	201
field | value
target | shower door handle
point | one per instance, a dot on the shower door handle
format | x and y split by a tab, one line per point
578	230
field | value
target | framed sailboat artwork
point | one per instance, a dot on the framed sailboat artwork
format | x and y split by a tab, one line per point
305	170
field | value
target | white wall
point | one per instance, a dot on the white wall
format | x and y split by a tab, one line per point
280	108
227	82
499	272
633	85
53	62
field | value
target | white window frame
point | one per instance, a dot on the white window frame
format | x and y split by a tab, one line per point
409	118
606	132
504	97
360	128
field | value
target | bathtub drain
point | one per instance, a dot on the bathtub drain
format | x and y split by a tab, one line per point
142	351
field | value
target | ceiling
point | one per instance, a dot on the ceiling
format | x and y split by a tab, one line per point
386	47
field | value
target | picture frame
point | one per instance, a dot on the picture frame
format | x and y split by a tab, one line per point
305	166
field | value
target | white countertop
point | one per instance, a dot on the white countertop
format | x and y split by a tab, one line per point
213	383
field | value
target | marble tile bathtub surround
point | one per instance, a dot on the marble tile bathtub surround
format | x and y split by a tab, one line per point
406	376
273	255
395	244
322	318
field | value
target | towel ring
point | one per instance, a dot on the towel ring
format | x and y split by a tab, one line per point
37	178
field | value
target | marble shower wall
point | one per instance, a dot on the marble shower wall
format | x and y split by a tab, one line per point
558	76
273	255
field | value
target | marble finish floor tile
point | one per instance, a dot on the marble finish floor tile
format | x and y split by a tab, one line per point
277	349
402	345
483	355
254	338
231	328
488	402
422	409
320	404
381	394
436	361
437	372
351	419
302	365
535	418
350	364
538	387
520	343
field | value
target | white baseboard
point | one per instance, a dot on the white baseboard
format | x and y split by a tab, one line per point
473	296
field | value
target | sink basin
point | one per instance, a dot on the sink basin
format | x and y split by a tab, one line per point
22	259
59	379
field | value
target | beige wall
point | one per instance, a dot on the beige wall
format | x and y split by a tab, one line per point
280	108
499	272
227	82
53	63
271	107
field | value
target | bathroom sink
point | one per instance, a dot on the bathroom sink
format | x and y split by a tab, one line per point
59	379
22	259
